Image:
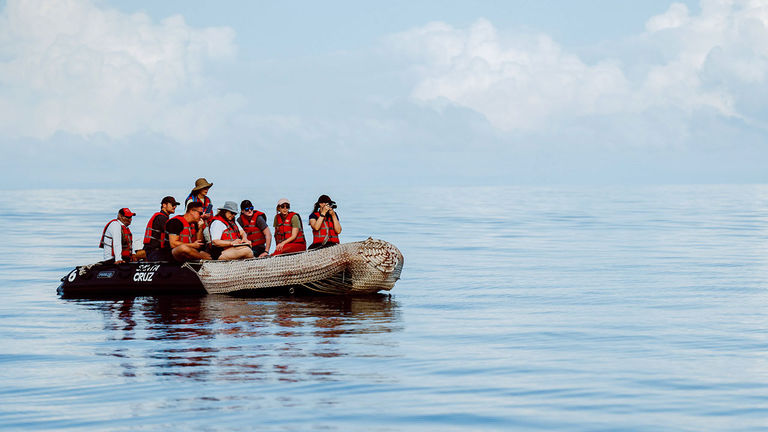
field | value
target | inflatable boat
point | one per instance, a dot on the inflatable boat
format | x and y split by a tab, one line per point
350	268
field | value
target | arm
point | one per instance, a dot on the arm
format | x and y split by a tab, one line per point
336	224
268	235
243	237
174	241
316	223
117	241
294	234
217	229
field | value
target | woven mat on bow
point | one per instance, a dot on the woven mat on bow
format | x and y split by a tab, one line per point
360	267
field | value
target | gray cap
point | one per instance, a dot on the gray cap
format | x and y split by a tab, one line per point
229	206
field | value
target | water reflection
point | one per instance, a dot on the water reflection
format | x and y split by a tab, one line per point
229	338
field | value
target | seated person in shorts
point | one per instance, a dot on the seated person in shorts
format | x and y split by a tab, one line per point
184	234
228	240
254	223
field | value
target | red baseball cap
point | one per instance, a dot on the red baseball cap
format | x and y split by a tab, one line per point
127	212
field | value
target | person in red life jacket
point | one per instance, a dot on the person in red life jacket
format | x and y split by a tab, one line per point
289	232
117	240
325	223
254	223
154	234
200	194
184	234
228	240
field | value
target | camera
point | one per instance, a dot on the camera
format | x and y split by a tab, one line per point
332	204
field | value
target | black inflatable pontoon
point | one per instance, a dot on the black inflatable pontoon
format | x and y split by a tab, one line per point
134	278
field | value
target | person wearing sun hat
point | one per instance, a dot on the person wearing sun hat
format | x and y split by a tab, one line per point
200	194
116	239
228	240
289	232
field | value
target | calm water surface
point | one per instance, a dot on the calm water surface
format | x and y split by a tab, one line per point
612	308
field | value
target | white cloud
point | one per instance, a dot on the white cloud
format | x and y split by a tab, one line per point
72	66
715	60
676	16
517	83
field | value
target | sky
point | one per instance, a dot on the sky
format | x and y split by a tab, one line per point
139	93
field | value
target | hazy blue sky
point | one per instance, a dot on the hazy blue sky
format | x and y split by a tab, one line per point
148	93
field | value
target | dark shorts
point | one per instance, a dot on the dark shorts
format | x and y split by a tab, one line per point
258	250
215	251
159	255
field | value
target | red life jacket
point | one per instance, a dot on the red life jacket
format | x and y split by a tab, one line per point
232	232
284	228
326	233
252	231
126	238
187	235
207	207
151	233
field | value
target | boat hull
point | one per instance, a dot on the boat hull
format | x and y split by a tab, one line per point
363	267
142	278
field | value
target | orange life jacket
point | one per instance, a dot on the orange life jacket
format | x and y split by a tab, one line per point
187	235
252	231
326	233
126	237
232	232
153	234
284	228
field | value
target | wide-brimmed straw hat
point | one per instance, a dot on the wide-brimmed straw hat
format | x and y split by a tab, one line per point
230	206
201	183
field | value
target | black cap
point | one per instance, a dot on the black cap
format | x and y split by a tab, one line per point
245	204
169	199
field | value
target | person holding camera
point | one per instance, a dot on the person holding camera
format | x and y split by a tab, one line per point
325	223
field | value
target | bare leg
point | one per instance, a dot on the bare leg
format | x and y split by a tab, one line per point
234	253
185	252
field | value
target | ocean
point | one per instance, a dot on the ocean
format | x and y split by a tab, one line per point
571	308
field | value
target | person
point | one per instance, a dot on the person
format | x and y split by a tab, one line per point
254	224
227	238
154	234
325	223
200	194
184	234
117	240
289	232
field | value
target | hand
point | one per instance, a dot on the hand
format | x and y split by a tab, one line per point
197	244
119	261
279	247
200	224
263	254
330	211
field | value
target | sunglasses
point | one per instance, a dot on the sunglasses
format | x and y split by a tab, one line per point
284	206
248	209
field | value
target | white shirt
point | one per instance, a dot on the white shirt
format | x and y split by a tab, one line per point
217	229
113	240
